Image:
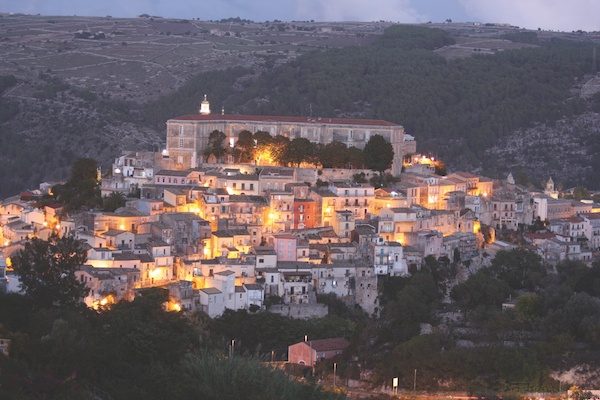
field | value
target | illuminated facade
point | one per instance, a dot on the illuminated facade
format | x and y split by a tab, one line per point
187	136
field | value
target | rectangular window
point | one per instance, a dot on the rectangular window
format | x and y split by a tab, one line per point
252	186
243	186
180	143
181	129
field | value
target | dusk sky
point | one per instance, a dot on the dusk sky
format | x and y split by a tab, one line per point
532	14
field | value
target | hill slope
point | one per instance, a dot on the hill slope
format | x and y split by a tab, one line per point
95	96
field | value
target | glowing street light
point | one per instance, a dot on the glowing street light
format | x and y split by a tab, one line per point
334	371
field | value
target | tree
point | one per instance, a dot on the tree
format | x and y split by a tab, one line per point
379	154
83	169
356	157
299	150
82	187
520	268
440	168
113	201
521	178
481	290
46	269
245	143
581	192
456	255
263	142
579	394
279	152
215	144
334	155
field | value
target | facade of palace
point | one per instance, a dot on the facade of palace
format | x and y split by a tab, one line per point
187	136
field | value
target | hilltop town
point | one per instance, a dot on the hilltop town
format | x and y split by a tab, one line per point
220	234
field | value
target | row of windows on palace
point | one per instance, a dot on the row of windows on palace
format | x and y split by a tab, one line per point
304	134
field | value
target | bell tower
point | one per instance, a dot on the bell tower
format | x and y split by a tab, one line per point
205	107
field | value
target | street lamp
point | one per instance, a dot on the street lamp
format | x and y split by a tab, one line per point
415	384
334	371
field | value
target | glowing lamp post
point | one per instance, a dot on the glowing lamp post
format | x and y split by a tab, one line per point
334	371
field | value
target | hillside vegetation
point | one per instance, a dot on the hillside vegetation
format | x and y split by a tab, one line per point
455	334
459	108
467	110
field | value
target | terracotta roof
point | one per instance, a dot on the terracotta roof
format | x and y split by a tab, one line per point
328	344
112	232
210	290
539	235
170	172
293	120
126	256
225	273
242	177
253	286
284	236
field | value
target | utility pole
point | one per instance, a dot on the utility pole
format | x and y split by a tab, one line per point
415	382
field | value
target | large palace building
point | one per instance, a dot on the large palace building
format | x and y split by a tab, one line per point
187	136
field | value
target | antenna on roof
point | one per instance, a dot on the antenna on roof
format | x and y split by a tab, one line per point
311	110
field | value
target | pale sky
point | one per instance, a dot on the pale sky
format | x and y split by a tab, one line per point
560	15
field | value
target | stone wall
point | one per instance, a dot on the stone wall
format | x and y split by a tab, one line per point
300	311
303	174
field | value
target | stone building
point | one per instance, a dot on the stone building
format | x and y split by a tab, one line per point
187	136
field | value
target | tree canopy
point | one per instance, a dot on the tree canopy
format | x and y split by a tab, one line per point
46	269
215	144
379	154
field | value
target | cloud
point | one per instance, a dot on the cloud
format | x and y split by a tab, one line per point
559	15
357	10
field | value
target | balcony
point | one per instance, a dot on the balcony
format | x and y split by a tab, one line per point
292	280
